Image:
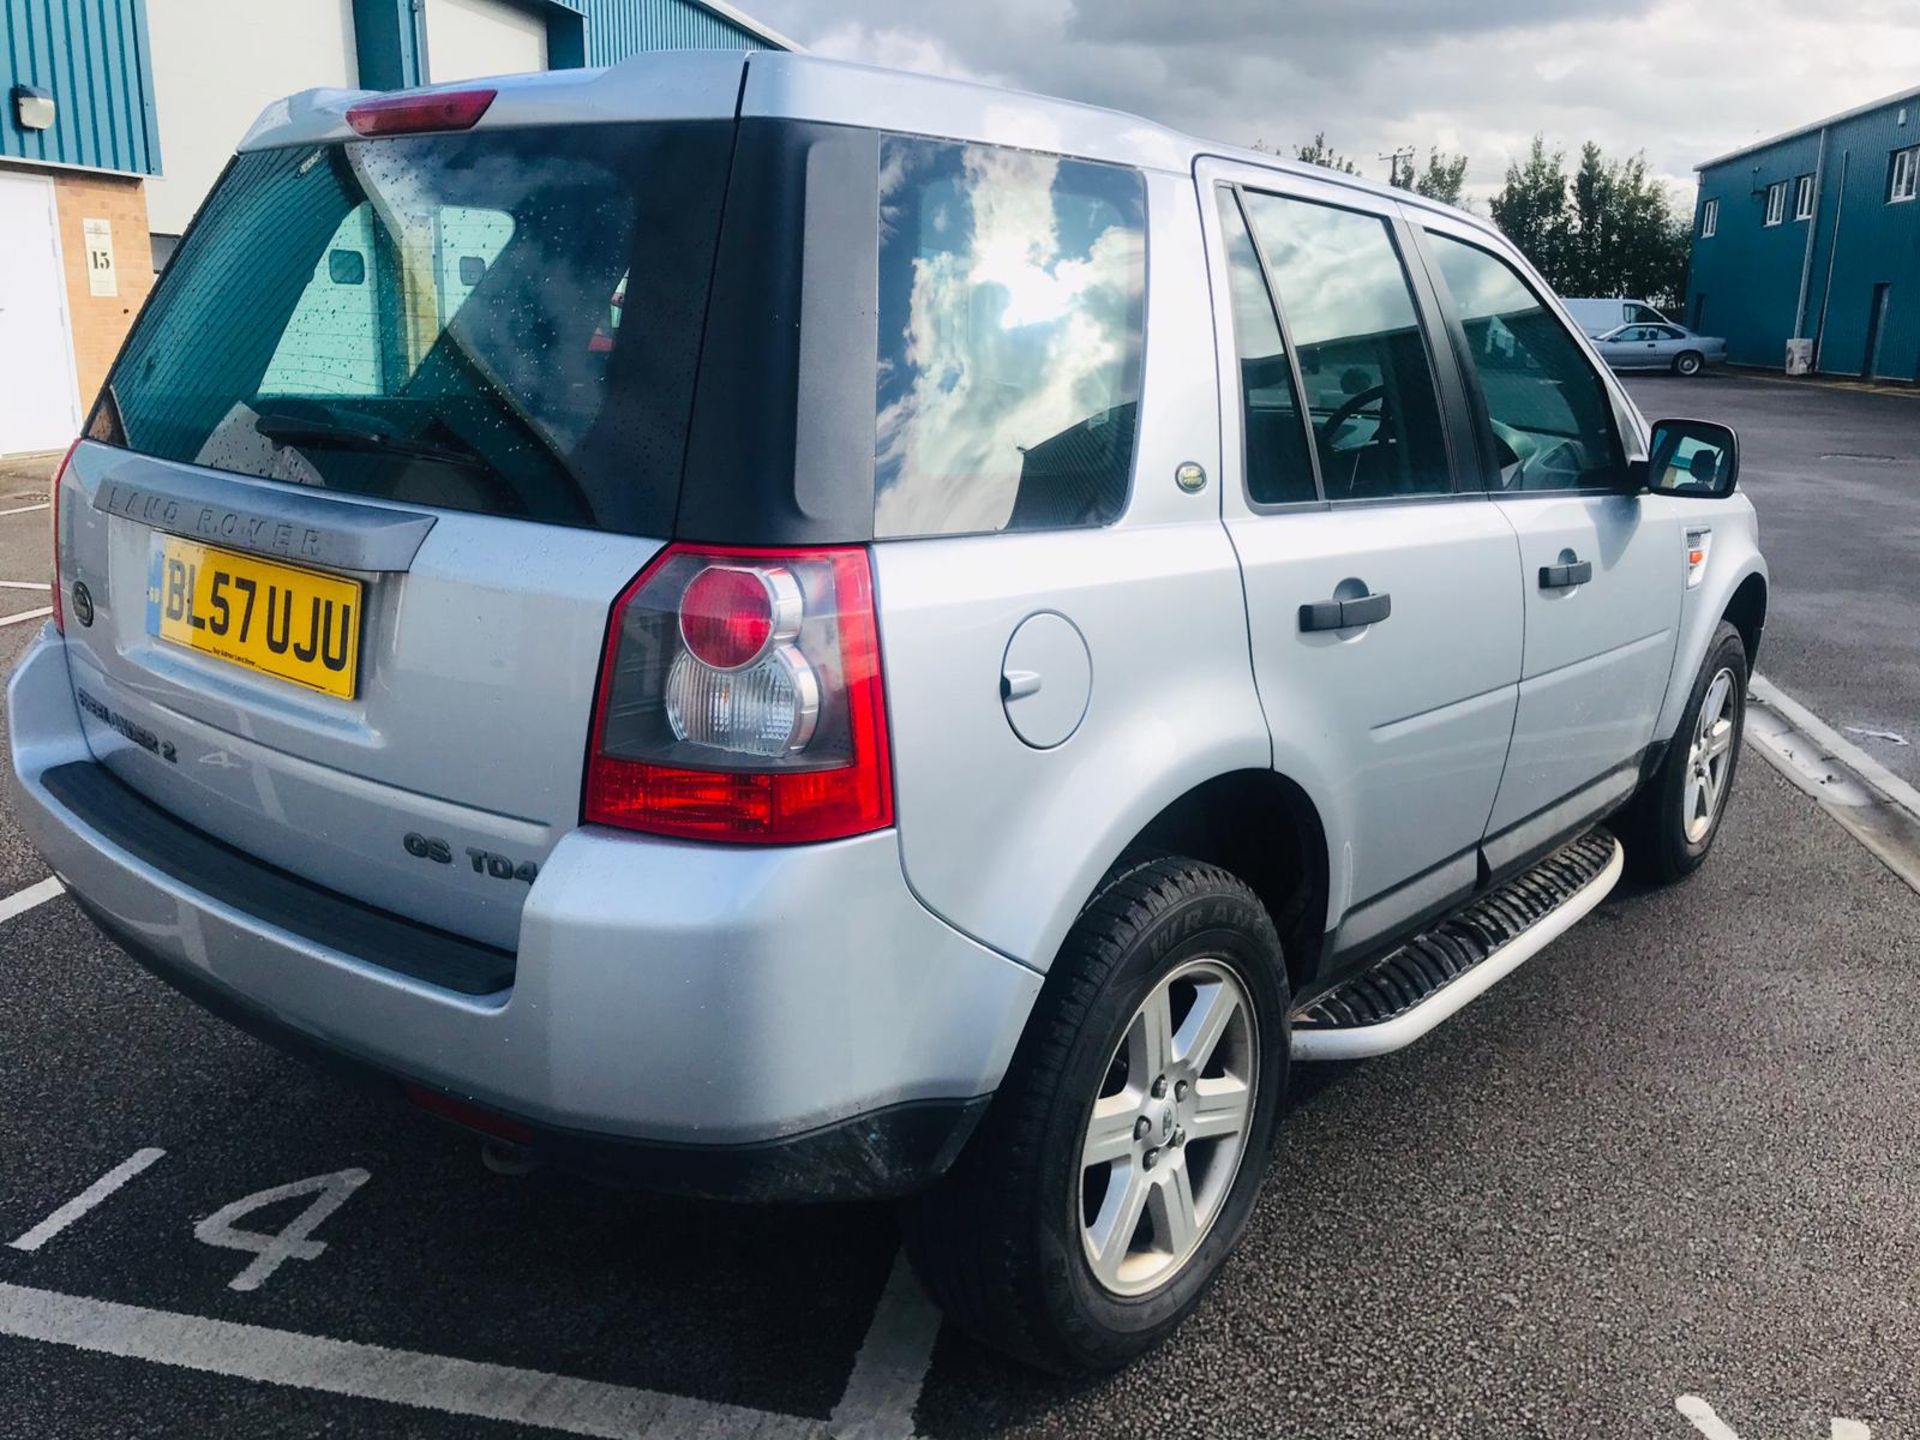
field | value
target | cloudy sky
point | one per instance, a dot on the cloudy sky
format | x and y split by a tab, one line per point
1683	80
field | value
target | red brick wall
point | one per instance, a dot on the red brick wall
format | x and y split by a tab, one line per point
101	322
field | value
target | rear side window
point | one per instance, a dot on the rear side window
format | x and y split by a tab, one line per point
1552	421
1363	358
501	321
1011	287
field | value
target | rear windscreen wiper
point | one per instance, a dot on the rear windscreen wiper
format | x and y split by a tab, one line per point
286	430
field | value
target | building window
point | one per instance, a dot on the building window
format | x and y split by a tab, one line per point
1905	178
1803	198
1709	219
1776	202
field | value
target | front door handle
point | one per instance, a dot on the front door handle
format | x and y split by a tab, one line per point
1346	614
1562	577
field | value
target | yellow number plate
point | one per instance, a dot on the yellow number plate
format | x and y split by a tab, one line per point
293	624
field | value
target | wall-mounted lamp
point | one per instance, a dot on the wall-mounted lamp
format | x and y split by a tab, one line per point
33	107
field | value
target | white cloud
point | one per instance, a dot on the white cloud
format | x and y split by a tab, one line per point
1683	80
1012	337
897	49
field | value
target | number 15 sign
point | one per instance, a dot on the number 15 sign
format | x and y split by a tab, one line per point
101	277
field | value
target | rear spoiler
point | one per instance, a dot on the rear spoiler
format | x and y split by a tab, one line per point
657	85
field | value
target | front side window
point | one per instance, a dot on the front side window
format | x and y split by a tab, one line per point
1350	314
1709	219
1904	180
1011	298
1552	422
1803	198
1776	202
1278	465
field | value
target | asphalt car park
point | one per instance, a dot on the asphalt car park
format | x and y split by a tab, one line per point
1835	476
1659	1181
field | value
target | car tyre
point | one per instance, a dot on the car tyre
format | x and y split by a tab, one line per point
1688	363
1006	1242
1672	822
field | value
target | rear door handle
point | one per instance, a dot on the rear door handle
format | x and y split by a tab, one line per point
1562	577
1345	614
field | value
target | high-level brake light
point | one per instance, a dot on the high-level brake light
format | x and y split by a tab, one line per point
412	114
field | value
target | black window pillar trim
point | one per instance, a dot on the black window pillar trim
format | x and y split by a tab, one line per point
1302	409
1463	424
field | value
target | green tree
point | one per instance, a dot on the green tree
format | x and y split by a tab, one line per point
1609	230
1320	153
1646	240
1442	180
1532	209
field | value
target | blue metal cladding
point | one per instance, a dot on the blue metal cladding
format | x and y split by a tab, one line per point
619	28
93	56
386	42
1861	271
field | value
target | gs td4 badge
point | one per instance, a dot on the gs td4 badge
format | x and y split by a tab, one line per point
485	862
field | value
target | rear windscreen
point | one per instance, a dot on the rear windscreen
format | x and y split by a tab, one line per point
505	321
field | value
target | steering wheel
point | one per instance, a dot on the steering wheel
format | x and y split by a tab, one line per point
1348	408
1351	407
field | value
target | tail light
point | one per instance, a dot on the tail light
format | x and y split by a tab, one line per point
59	604
740	699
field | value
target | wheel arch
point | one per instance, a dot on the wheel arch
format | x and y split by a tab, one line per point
1265	828
1747	613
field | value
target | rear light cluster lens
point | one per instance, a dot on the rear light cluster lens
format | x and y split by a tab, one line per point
741	699
57	599
731	614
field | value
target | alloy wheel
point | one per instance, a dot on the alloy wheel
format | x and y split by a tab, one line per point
1709	757
1166	1135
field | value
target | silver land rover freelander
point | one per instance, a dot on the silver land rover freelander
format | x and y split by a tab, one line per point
786	630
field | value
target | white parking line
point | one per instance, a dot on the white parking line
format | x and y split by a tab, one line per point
1703	1418
86	1200
1713	1427
892	1364
25	615
374	1372
22	901
27	509
23	584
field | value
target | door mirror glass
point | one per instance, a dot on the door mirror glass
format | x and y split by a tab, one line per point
1693	457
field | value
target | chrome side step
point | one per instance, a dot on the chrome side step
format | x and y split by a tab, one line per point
1439	972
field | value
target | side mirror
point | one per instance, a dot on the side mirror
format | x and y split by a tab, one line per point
1692	457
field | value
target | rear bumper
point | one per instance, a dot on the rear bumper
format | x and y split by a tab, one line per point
778	1023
